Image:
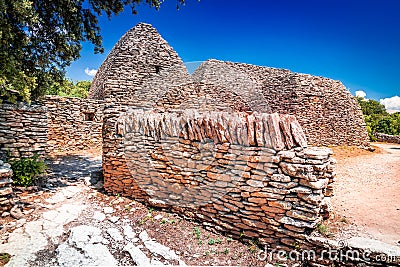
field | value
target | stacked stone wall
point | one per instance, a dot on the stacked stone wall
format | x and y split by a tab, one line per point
73	123
6	191
245	174
23	130
200	96
53	124
327	111
387	138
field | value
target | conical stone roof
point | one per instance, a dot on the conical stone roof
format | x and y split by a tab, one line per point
140	68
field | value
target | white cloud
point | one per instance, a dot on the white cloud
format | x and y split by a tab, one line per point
90	72
392	104
361	94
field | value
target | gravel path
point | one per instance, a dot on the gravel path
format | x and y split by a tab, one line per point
367	191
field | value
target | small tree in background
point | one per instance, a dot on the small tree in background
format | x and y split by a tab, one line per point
378	119
371	107
68	88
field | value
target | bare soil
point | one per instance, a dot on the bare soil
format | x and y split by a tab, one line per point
367	192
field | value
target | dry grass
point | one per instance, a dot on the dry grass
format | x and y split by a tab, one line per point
4	259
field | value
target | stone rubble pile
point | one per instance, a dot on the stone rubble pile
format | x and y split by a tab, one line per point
6	191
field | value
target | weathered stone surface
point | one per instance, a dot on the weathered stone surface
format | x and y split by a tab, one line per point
315	101
356	251
84	246
137	255
172	139
73	123
99	216
320	184
6	191
301	215
159	249
115	234
297	223
375	246
128	232
387	138
280	204
24	131
280	178
319	153
185	121
108	210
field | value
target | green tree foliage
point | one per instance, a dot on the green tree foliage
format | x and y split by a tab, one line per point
39	38
378	119
68	88
371	107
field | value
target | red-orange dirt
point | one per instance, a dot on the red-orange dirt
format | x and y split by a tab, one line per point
367	191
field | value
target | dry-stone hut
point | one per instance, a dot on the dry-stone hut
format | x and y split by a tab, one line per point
327	111
143	70
213	146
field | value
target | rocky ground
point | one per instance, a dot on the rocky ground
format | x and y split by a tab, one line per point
71	221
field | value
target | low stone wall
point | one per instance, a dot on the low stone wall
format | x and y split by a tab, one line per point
53	124
387	138
6	191
74	123
248	175
23	129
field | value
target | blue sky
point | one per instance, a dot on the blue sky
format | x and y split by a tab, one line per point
354	41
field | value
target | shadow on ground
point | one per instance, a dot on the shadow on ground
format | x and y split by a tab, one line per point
66	169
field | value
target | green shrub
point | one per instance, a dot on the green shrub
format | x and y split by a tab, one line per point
4	258
322	229
372	137
26	170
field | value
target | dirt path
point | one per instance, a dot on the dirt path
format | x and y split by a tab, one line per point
367	192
